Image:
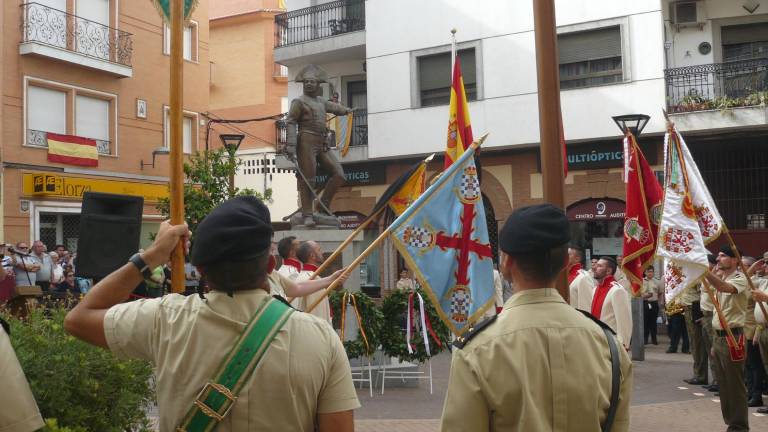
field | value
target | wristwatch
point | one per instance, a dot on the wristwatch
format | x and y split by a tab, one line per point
138	261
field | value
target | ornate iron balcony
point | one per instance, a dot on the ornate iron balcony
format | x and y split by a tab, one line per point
717	86
44	25
318	22
38	138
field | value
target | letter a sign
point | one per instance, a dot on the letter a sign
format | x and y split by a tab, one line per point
164	7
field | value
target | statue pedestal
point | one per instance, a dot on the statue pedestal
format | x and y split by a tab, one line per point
329	240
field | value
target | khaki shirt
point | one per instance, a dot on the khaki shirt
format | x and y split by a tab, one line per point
623	280
734	306
18	409
690	295
760	318
541	366
654	287
304	372
706	300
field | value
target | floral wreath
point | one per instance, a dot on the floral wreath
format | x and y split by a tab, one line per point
371	319
393	340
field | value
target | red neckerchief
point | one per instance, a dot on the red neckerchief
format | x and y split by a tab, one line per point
600	293
309	267
293	263
573	272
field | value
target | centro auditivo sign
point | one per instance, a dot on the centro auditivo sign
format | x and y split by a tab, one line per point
71	187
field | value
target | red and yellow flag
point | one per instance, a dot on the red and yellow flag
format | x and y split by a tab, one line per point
459	126
410	191
72	150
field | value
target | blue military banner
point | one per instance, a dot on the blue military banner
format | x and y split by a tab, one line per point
443	236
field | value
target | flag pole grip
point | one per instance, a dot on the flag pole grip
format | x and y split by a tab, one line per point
328	261
349	269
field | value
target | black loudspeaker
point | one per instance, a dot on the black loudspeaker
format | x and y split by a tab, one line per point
110	231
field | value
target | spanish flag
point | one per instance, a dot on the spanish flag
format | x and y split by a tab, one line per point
459	126
410	191
72	150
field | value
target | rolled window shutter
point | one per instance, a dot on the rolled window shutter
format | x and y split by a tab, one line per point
46	110
747	33
92	118
589	45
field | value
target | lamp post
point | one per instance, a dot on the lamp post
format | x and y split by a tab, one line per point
232	143
634	124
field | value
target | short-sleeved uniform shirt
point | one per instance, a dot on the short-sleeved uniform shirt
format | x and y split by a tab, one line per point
734	306
690	295
304	372
541	366
653	287
18	409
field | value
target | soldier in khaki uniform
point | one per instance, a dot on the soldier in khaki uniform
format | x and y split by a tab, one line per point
732	294
303	381
18	409
761	294
556	361
651	292
754	366
690	300
707	312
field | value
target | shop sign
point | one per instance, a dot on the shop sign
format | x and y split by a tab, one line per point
596	209
361	174
603	155
71	187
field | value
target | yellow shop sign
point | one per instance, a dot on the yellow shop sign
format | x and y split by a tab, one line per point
63	186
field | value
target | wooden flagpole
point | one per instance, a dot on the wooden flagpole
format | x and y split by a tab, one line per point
176	119
372	246
548	78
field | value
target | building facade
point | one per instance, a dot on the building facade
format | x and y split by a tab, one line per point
703	61
99	70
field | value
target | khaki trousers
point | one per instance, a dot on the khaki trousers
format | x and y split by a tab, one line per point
733	392
708	335
698	350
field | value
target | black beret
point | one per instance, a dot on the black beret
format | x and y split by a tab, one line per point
237	230
534	228
726	249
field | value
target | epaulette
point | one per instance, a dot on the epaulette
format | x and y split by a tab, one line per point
597	321
473	331
277	297
6	326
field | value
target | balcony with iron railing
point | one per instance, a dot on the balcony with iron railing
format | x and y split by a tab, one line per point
303	32
56	34
718	86
38	138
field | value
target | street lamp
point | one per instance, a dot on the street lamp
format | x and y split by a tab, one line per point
232	143
632	122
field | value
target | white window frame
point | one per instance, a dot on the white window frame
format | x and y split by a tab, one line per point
479	84
30	80
626	54
195	129
59	207
194	49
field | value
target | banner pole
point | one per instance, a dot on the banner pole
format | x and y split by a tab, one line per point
176	137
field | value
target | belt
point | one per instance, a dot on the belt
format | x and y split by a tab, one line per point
736	331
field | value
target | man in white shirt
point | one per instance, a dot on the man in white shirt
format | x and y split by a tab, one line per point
610	302
311	256
581	284
286	248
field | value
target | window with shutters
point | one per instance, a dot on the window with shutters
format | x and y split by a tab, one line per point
190	41
68	110
745	42
189	131
434	77
590	58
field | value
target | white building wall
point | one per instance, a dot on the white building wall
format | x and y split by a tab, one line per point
507	105
253	175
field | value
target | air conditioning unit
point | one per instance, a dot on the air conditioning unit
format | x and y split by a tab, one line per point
687	14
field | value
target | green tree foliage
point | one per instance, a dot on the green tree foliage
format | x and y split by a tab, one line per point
79	387
206	185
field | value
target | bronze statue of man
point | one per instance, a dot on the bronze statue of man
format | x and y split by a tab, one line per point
309	144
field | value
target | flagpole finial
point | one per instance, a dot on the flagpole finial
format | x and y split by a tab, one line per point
453	31
478	142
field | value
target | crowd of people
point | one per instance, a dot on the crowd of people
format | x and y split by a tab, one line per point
692	319
53	271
